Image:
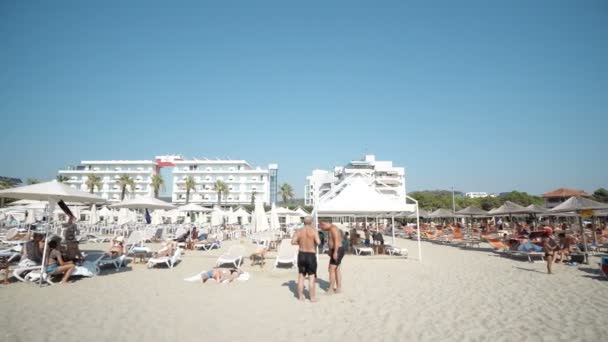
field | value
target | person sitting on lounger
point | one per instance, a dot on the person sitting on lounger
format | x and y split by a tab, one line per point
564	248
117	247
32	250
55	263
167	250
221	275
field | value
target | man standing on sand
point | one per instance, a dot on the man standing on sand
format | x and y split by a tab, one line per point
307	239
336	253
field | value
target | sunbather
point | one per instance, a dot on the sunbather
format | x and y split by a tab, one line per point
167	250
55	263
32	250
117	247
221	275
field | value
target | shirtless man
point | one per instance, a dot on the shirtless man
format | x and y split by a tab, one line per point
336	253
308	240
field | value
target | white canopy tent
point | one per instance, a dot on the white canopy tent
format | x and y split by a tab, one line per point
243	215
356	196
232	218
217	216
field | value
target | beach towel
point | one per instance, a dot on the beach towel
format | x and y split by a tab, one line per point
529	247
197	277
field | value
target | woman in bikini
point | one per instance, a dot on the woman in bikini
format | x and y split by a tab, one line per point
55	263
220	275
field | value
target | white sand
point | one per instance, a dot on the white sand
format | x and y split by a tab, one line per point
453	295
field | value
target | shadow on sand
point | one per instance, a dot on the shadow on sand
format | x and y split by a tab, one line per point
292	285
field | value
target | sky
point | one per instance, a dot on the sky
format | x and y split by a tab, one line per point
475	95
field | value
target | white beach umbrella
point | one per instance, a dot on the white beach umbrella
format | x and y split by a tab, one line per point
143	203
302	212
274	218
243	215
193	207
259	219
30	217
93	217
201	218
157	217
123	216
52	192
76	211
232	218
217	216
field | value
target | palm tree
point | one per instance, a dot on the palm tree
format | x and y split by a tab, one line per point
158	183
31	181
190	185
125	181
62	178
93	181
286	192
222	189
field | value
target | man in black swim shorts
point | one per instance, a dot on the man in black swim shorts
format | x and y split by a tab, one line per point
336	253
307	240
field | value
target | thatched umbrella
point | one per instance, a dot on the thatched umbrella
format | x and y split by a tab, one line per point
472	211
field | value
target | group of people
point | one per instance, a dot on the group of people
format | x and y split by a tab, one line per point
307	239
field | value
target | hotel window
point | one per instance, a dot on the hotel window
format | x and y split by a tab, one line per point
253	188
231	178
117	169
208	178
254	179
208	169
231	169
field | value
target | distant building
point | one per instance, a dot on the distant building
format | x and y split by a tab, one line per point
478	195
388	179
558	196
243	180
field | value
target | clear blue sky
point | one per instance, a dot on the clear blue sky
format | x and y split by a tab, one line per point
483	97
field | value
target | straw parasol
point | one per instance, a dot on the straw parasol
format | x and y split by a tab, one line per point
441	213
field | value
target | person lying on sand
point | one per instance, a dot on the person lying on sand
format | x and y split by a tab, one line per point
221	275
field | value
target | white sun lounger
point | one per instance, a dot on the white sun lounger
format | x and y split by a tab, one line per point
394	250
169	261
233	256
363	250
287	254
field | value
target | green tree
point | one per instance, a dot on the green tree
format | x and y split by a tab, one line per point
31	181
521	198
123	182
5	184
157	184
601	195
93	181
62	178
190	185
286	192
220	188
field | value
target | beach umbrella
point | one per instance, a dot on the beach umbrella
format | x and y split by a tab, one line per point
242	214
232	218
123	216
537	209
157	216
472	211
509	208
302	212
217	216
52	192
30	217
441	213
422	213
93	217
259	219
143	203
274	218
193	207
583	207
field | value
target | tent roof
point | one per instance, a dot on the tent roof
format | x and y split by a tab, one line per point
50	190
143	203
357	197
510	208
577	203
421	213
472	211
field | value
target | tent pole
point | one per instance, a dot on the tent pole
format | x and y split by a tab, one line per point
580	222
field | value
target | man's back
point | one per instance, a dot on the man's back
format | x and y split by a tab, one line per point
307	237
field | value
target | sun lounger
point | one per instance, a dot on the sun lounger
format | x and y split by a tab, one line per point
363	250
287	254
169	261
207	245
394	250
233	256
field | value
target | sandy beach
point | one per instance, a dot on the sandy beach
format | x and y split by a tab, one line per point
453	295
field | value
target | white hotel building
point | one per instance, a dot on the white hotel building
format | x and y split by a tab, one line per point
110	171
243	180
386	178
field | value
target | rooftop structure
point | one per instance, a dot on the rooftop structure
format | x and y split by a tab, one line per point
387	179
558	196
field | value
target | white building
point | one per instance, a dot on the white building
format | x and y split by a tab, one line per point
243	180
388	180
478	195
110	171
